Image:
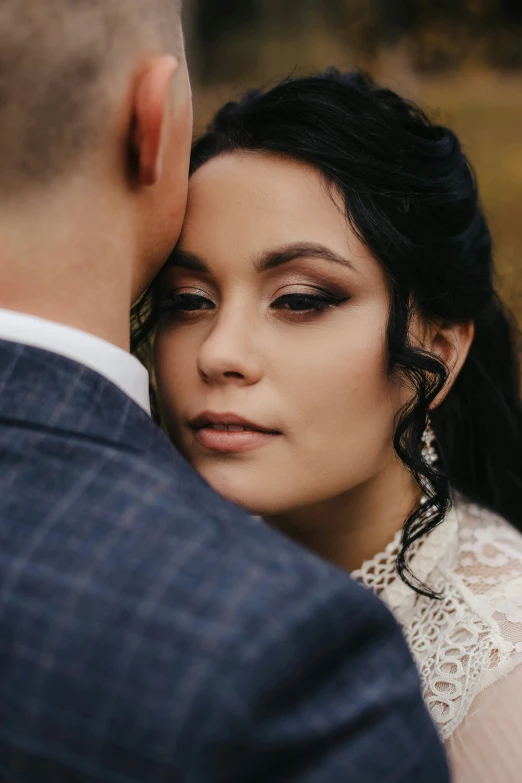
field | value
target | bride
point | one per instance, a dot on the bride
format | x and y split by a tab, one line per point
331	354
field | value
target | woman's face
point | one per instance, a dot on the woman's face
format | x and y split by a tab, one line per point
274	319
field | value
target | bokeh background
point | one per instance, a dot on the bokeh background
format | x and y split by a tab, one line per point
461	59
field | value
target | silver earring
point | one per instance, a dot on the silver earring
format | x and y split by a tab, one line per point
429	452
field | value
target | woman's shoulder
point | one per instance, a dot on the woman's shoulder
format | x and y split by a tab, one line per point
472	635
488	571
488	578
489	560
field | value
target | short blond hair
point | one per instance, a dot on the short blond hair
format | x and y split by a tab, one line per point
57	63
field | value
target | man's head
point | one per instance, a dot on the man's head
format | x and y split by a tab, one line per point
96	91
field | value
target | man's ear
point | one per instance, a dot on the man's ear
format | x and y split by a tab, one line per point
152	105
451	344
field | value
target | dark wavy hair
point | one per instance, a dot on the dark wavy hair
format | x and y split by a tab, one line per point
411	197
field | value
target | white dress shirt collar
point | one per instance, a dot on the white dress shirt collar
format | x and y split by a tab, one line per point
113	363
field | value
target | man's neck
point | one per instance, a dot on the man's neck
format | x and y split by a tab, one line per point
70	265
74	307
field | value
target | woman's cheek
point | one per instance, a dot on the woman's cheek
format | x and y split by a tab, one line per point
347	404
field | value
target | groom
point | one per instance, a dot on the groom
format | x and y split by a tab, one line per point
149	631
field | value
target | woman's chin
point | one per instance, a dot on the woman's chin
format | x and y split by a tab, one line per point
257	488
253	505
247	498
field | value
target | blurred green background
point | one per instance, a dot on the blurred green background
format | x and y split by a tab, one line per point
461	59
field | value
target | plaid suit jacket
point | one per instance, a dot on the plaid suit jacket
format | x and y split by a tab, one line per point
150	631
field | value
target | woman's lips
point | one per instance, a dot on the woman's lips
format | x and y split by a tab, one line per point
229	433
232	442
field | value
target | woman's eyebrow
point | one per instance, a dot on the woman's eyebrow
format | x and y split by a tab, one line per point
283	255
270	259
186	260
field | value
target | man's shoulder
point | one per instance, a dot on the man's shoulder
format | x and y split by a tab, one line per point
151	532
167	499
135	590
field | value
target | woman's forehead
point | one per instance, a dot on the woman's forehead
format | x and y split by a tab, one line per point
270	183
265	199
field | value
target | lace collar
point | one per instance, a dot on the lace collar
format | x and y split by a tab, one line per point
379	574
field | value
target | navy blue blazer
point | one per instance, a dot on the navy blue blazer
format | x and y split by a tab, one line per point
151	631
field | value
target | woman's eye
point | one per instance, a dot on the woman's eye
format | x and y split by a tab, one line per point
185	303
306	303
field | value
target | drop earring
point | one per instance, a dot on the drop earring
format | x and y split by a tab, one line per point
429	452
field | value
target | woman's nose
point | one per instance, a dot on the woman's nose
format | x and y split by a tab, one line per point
229	354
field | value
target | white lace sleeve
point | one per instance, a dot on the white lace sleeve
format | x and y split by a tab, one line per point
487	746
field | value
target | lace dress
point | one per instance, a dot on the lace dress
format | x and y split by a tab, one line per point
468	645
